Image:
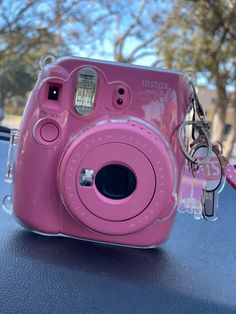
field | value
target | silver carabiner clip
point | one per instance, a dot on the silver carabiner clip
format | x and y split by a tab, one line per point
203	132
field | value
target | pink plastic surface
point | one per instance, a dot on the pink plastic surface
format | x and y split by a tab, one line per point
230	172
49	132
141	135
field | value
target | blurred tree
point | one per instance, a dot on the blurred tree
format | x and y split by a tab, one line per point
201	35
182	34
125	31
26	33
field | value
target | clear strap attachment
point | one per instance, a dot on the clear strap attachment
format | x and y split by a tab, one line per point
7	201
11	155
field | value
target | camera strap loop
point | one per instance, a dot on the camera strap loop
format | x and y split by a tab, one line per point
207	168
202	139
200	128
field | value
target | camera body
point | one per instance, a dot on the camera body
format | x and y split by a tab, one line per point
98	156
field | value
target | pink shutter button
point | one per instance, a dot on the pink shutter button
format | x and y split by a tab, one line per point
49	132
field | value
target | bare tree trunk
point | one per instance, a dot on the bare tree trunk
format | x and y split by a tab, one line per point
1	107
218	124
231	138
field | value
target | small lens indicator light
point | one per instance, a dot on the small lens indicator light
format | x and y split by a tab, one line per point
120	101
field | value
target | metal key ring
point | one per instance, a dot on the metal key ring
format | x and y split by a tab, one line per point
208	144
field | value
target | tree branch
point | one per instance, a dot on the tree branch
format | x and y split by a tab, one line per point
120	40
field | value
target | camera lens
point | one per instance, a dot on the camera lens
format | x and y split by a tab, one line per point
119	101
121	91
115	181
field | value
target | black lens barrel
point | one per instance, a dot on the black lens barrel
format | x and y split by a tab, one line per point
115	181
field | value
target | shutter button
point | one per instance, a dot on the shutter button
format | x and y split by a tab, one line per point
49	132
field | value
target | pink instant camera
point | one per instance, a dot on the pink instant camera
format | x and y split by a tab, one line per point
98	156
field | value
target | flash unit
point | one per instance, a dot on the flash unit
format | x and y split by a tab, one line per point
86	90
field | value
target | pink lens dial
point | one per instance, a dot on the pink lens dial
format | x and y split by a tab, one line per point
134	146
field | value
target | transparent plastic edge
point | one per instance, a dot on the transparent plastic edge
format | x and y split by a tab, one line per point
7	205
129	65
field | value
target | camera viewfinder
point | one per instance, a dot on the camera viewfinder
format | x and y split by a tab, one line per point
53	93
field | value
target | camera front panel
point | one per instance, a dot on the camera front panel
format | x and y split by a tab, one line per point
100	139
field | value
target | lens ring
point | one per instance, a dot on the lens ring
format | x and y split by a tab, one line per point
92	209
